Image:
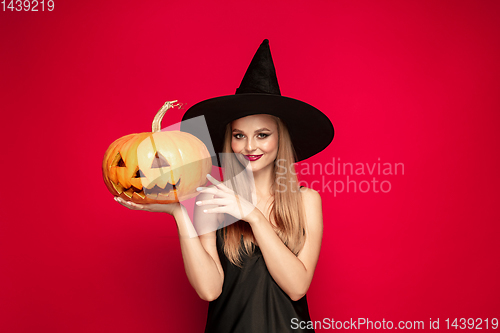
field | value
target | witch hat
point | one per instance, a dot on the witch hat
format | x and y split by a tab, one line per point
310	130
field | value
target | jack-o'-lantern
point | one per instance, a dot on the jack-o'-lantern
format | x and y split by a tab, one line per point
157	167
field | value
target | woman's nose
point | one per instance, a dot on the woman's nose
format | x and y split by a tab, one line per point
250	144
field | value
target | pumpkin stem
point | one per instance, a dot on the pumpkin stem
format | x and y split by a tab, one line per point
159	115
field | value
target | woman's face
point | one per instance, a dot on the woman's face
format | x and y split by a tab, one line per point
256	138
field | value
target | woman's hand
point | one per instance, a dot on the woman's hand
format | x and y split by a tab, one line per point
229	202
171	208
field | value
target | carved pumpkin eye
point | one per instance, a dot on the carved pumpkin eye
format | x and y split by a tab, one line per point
118	161
139	174
159	161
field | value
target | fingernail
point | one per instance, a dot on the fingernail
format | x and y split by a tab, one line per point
198	202
209	175
204	211
199	188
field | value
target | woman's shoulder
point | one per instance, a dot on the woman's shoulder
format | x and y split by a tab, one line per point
313	207
310	195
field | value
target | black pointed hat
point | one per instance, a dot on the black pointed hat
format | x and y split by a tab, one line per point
310	130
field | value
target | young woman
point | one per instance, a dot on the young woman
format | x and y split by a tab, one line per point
256	271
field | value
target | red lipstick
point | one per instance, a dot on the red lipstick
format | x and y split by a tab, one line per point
253	157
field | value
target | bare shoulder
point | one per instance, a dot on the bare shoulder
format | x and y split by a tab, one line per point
313	211
313	208
310	197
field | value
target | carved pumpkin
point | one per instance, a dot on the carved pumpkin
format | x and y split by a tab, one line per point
157	167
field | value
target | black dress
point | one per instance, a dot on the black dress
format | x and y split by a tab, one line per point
251	301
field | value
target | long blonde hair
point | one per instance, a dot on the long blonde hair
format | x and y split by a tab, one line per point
287	212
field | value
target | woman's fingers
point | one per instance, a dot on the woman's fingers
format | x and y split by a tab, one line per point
218	201
212	190
221	209
129	204
213	180
218	184
170	208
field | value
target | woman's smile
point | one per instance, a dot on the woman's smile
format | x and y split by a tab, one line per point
253	157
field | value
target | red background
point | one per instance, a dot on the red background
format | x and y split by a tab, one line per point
412	82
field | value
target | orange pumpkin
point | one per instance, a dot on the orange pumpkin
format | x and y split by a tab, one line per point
157	167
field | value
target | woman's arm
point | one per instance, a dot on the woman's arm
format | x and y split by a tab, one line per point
293	274
199	253
200	256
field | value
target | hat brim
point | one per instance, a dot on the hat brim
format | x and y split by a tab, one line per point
310	130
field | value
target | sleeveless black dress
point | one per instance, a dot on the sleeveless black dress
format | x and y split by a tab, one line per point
251	301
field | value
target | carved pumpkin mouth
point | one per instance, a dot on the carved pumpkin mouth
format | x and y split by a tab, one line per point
158	191
155	193
137	181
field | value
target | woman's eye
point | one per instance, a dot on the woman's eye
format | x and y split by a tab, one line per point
263	135
238	136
